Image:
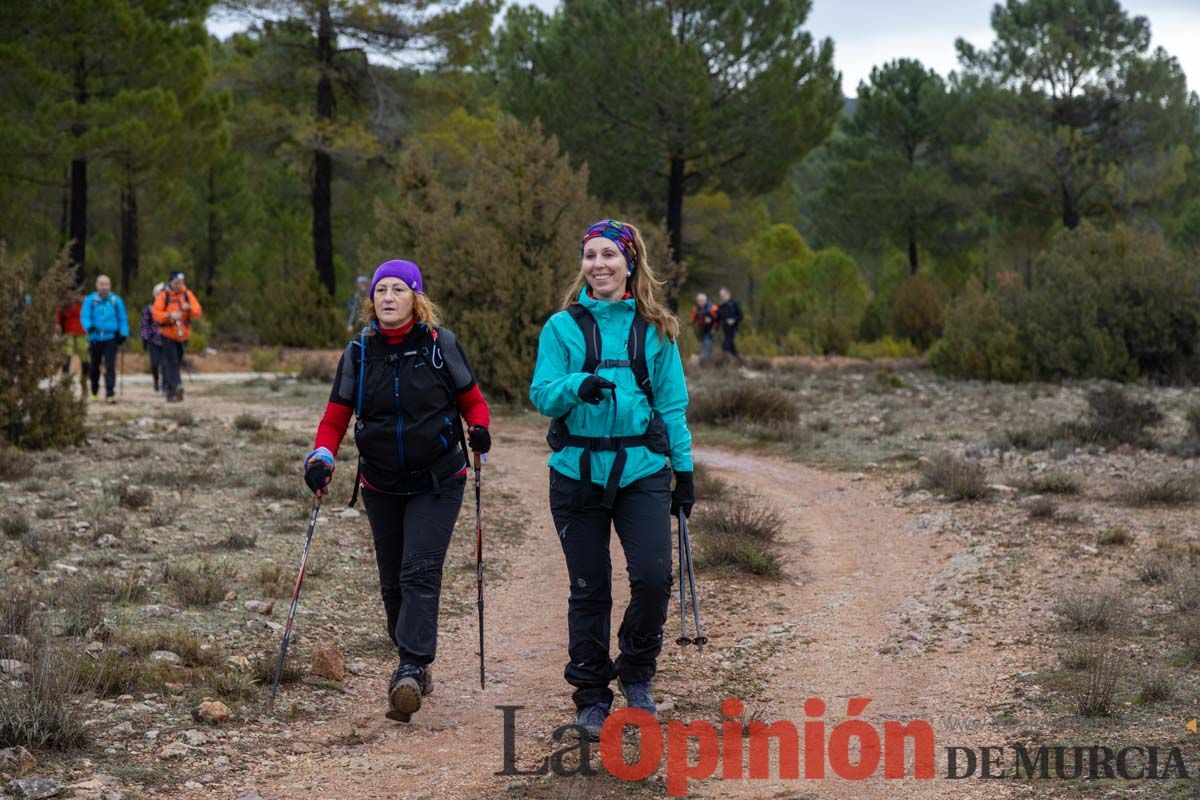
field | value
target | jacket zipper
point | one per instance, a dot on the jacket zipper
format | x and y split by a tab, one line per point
399	413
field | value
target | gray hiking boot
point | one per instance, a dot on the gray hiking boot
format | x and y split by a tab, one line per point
639	695
404	692
591	719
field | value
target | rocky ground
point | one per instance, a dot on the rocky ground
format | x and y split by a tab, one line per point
163	554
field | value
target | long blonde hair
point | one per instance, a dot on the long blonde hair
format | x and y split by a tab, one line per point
644	285
424	310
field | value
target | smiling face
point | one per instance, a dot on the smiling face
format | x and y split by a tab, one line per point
604	268
103	286
393	302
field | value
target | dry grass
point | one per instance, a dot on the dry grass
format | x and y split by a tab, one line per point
135	498
1095	694
42	711
15	525
739	535
202	585
1115	536
1155	685
956	478
1170	490
180	641
247	422
1054	482
1042	508
274	580
710	488
1092	610
746	401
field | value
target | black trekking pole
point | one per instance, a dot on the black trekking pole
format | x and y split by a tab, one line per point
287	631
700	639
683	637
479	564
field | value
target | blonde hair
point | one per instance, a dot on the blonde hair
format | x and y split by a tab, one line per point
424	310
643	285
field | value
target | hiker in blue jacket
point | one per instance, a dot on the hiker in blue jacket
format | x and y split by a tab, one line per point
609	373
103	317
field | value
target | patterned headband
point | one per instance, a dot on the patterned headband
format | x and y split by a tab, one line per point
619	233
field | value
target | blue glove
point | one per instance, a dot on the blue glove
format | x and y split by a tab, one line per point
318	470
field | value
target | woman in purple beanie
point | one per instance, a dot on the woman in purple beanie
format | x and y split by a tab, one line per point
409	384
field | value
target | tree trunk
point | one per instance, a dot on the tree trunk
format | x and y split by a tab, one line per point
914	263
1070	214
130	246
675	226
64	220
322	187
78	224
214	233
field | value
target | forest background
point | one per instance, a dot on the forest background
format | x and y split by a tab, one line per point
1032	214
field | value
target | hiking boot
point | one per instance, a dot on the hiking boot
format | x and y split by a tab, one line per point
591	719
110	400
639	695
404	692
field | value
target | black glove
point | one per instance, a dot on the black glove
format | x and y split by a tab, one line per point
593	387
120	340
317	475
479	439
683	496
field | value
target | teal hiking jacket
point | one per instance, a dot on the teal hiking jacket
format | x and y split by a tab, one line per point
555	391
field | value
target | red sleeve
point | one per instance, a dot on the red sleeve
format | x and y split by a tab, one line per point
474	408
333	426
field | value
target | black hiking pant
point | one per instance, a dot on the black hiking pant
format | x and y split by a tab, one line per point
412	533
156	357
172	359
108	352
728	344
642	516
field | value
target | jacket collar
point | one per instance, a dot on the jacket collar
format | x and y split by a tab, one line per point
606	307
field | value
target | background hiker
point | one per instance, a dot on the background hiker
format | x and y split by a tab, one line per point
74	341
361	285
174	309
637	392
704	320
729	316
151	334
103	316
409	382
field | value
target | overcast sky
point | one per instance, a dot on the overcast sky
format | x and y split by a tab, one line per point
869	32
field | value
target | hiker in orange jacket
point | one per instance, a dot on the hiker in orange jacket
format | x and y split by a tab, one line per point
174	309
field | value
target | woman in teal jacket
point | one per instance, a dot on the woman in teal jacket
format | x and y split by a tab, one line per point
609	373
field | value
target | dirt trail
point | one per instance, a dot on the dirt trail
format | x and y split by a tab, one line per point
858	569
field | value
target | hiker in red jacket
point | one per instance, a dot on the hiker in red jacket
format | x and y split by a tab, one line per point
408	381
74	339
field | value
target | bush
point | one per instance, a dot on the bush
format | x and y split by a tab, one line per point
739	535
203	585
1055	482
1091	611
14	464
1116	418
37	410
887	347
1111	304
274	581
979	342
135	497
1115	536
1094	696
917	312
41	710
15	525
709	488
956	478
1171	490
745	400
316	369
500	250
247	422
265	359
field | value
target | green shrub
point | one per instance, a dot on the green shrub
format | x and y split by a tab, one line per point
37	410
1116	418
887	347
202	585
247	422
1111	304
41	711
978	342
265	359
917	312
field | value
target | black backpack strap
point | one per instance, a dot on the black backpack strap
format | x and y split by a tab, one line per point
442	370
591	336
638	332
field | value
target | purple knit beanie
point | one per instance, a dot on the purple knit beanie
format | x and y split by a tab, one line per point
406	271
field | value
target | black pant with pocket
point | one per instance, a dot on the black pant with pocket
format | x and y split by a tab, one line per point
412	534
172	359
642	518
107	351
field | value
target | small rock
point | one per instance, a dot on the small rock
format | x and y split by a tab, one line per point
34	788
260	607
356	667
274	508
69	569
193	785
160	610
10	666
165	657
108	541
329	662
151	735
174	750
124	729
249	794
1087	548
94	647
211	711
238	662
230	596
194	738
16	760
1000	488
349	513
666	705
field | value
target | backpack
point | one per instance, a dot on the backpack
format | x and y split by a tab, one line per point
654	438
430	354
